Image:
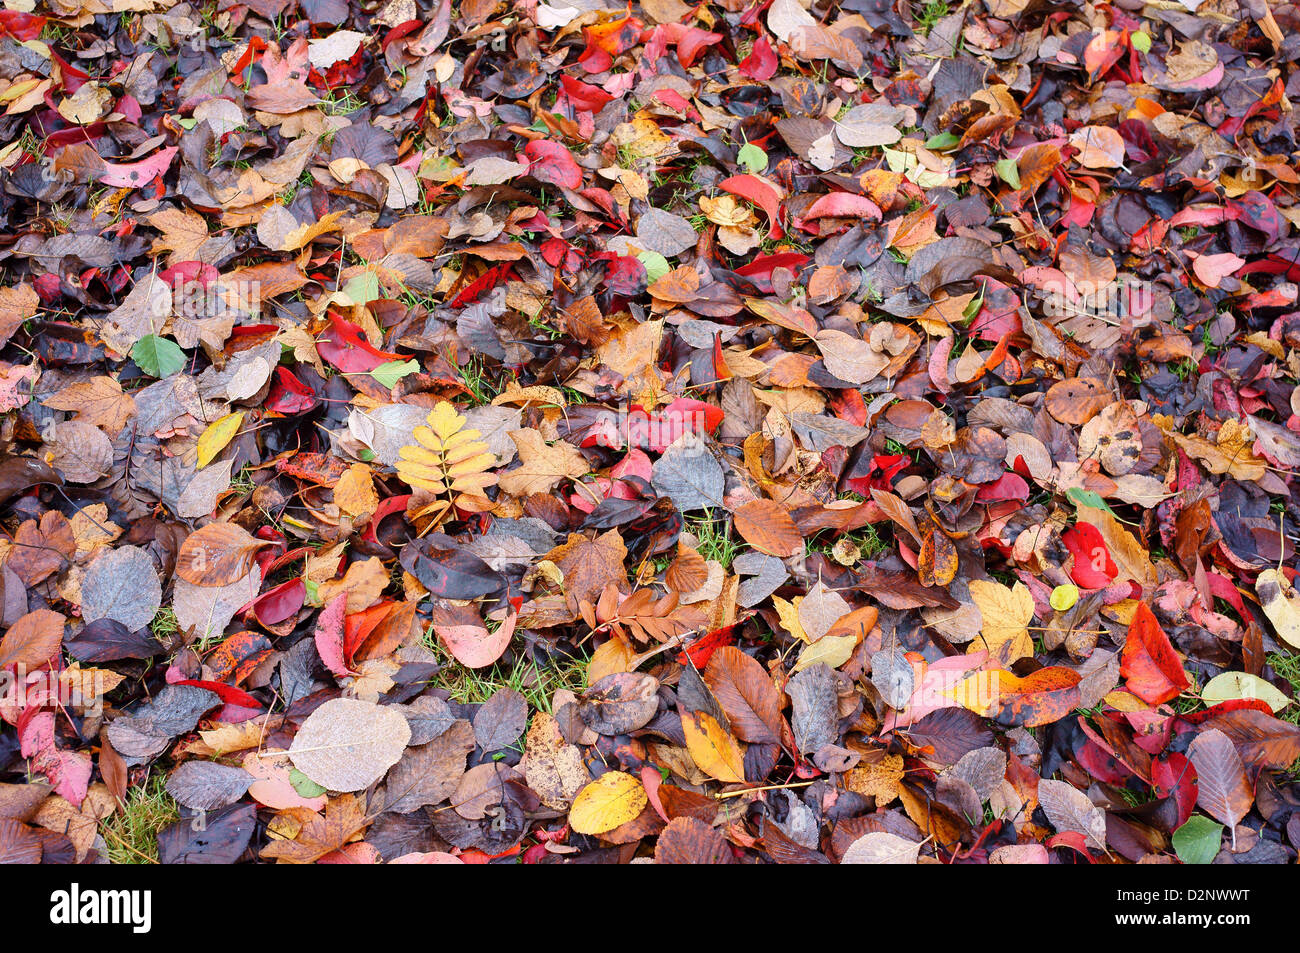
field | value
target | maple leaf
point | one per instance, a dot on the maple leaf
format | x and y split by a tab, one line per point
183	233
316	835
541	465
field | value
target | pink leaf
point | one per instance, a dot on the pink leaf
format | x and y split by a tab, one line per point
329	634
551	162
1212	269
136	174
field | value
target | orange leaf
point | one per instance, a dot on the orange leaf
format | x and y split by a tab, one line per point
767	526
1149	663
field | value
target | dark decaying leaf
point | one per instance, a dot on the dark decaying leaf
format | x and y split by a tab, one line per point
619	703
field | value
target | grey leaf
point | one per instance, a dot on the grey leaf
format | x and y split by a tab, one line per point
689	475
814	716
892	675
122	584
206	785
501	720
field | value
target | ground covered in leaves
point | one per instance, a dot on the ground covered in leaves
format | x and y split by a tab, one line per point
443	431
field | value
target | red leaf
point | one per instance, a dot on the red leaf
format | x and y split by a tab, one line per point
136	174
550	162
584	96
21	26
1151	668
329	635
276	605
702	649
761	62
843	205
289	395
766	197
344	346
1174	776
357	626
1093	567
759	271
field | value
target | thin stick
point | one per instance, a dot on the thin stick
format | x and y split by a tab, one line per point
770	787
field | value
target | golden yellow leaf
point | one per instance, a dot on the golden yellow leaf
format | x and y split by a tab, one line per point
303	234
610	658
834	650
789	615
612	799
446	457
525	396
713	749
355	492
1006	612
219	433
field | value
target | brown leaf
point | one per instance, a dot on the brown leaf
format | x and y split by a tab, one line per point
767	526
590	564
687	840
619	703
99	401
745	691
40	550
33	640
217	554
344	818
1077	400
1221	787
286	96
541	466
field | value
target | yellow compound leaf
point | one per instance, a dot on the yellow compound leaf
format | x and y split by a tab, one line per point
446	456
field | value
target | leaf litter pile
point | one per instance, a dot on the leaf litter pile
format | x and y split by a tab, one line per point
452	432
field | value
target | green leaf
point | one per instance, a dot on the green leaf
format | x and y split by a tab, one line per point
1081	497
1008	172
1228	686
363	288
390	372
656	265
752	157
1198	841
367	455
304	785
1141	42
944	140
1064	597
158	357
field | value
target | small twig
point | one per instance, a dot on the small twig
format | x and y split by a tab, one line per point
769	787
